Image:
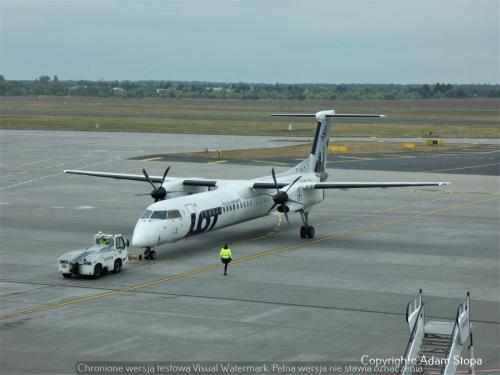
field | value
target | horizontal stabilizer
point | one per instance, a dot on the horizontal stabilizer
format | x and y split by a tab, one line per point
313	115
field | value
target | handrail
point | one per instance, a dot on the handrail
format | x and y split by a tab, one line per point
462	308
450	343
420	315
416	302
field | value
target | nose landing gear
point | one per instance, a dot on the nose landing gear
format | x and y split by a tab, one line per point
149	254
306	230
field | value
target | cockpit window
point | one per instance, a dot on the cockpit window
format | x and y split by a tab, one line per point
174	214
159	215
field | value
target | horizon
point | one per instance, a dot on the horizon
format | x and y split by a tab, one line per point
247	82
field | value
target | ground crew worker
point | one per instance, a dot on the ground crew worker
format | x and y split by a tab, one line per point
103	241
225	257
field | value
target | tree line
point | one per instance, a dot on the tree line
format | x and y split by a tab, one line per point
45	85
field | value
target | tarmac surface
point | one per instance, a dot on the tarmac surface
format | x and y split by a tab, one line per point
335	298
479	160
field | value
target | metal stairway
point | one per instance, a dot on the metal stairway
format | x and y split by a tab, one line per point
434	344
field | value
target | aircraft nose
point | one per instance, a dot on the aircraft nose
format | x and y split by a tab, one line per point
143	235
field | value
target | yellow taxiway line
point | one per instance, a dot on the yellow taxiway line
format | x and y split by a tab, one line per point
241	260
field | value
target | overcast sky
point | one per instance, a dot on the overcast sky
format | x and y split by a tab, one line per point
373	41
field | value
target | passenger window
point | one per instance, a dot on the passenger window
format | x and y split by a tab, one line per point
159	215
234	208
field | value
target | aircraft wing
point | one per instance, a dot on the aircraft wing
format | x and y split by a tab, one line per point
140	177
364	185
346	185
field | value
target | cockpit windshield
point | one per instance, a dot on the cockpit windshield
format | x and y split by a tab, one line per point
161	215
146	214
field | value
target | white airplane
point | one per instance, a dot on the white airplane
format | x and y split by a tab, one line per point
198	205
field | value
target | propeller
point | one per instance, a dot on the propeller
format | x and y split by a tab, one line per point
281	197
159	193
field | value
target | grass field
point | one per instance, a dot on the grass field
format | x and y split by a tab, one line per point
443	118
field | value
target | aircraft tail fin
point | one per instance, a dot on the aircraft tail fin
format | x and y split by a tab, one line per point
316	162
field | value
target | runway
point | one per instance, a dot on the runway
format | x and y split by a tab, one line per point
338	297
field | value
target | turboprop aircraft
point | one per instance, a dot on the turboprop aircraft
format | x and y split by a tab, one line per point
197	205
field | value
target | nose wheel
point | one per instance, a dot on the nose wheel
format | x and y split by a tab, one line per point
149	254
306	230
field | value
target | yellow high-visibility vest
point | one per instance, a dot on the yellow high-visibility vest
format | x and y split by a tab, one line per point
225	253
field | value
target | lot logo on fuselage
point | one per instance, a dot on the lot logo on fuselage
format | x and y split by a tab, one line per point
205	222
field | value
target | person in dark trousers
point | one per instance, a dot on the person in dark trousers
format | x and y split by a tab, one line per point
225	257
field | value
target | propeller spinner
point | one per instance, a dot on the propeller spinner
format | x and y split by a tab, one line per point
159	193
281	197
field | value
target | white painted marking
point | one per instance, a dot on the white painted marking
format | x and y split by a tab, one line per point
84	208
354	157
265	314
58	173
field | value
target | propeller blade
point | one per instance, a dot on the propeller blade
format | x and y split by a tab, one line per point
274	205
164	175
274	179
147	177
298	178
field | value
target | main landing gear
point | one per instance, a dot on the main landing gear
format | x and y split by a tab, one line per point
149	254
306	230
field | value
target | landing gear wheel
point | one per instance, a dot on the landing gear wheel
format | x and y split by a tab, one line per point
118	266
306	230
97	271
66	275
310	232
147	253
152	255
